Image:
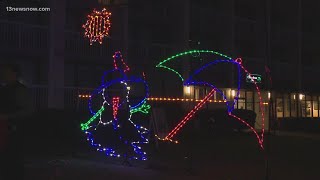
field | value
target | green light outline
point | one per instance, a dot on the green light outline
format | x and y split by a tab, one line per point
160	65
144	108
85	126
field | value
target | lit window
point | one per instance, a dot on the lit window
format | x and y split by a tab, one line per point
187	90
233	93
301	96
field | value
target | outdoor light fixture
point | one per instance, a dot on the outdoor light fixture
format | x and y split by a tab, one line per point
187	90
301	96
269	95
294	97
233	93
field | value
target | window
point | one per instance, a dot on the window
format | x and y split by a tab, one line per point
242	94
308	104
279	107
241	103
202	93
286	105
293	105
219	96
315	103
249	100
302	105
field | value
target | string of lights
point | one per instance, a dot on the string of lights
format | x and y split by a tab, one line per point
172	99
136	145
239	62
115	102
189	115
166	99
115	106
144	108
161	64
230	108
97	26
116	56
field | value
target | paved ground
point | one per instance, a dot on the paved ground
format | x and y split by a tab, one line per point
214	157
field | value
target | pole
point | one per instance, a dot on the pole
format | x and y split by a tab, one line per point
299	43
56	55
268	84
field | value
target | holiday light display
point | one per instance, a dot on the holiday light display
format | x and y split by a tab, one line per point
115	106
116	58
162	63
164	99
189	115
84	96
191	81
144	108
119	123
168	99
97	26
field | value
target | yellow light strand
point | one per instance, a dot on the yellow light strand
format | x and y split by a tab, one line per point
181	99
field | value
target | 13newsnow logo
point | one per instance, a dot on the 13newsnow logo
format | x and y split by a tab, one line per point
27	9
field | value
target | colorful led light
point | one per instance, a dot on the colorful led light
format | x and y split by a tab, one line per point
189	115
118	57
261	137
115	103
136	145
84	95
107	84
85	126
230	108
165	139
189	81
161	64
144	108
115	106
97	26
182	100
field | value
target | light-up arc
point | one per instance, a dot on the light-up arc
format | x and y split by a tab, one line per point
237	61
115	103
161	64
190	115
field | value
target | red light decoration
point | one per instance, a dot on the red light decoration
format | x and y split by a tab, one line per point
144	75
115	106
189	115
237	61
168	99
97	26
260	138
118	57
260	141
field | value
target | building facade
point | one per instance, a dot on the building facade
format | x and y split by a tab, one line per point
260	32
